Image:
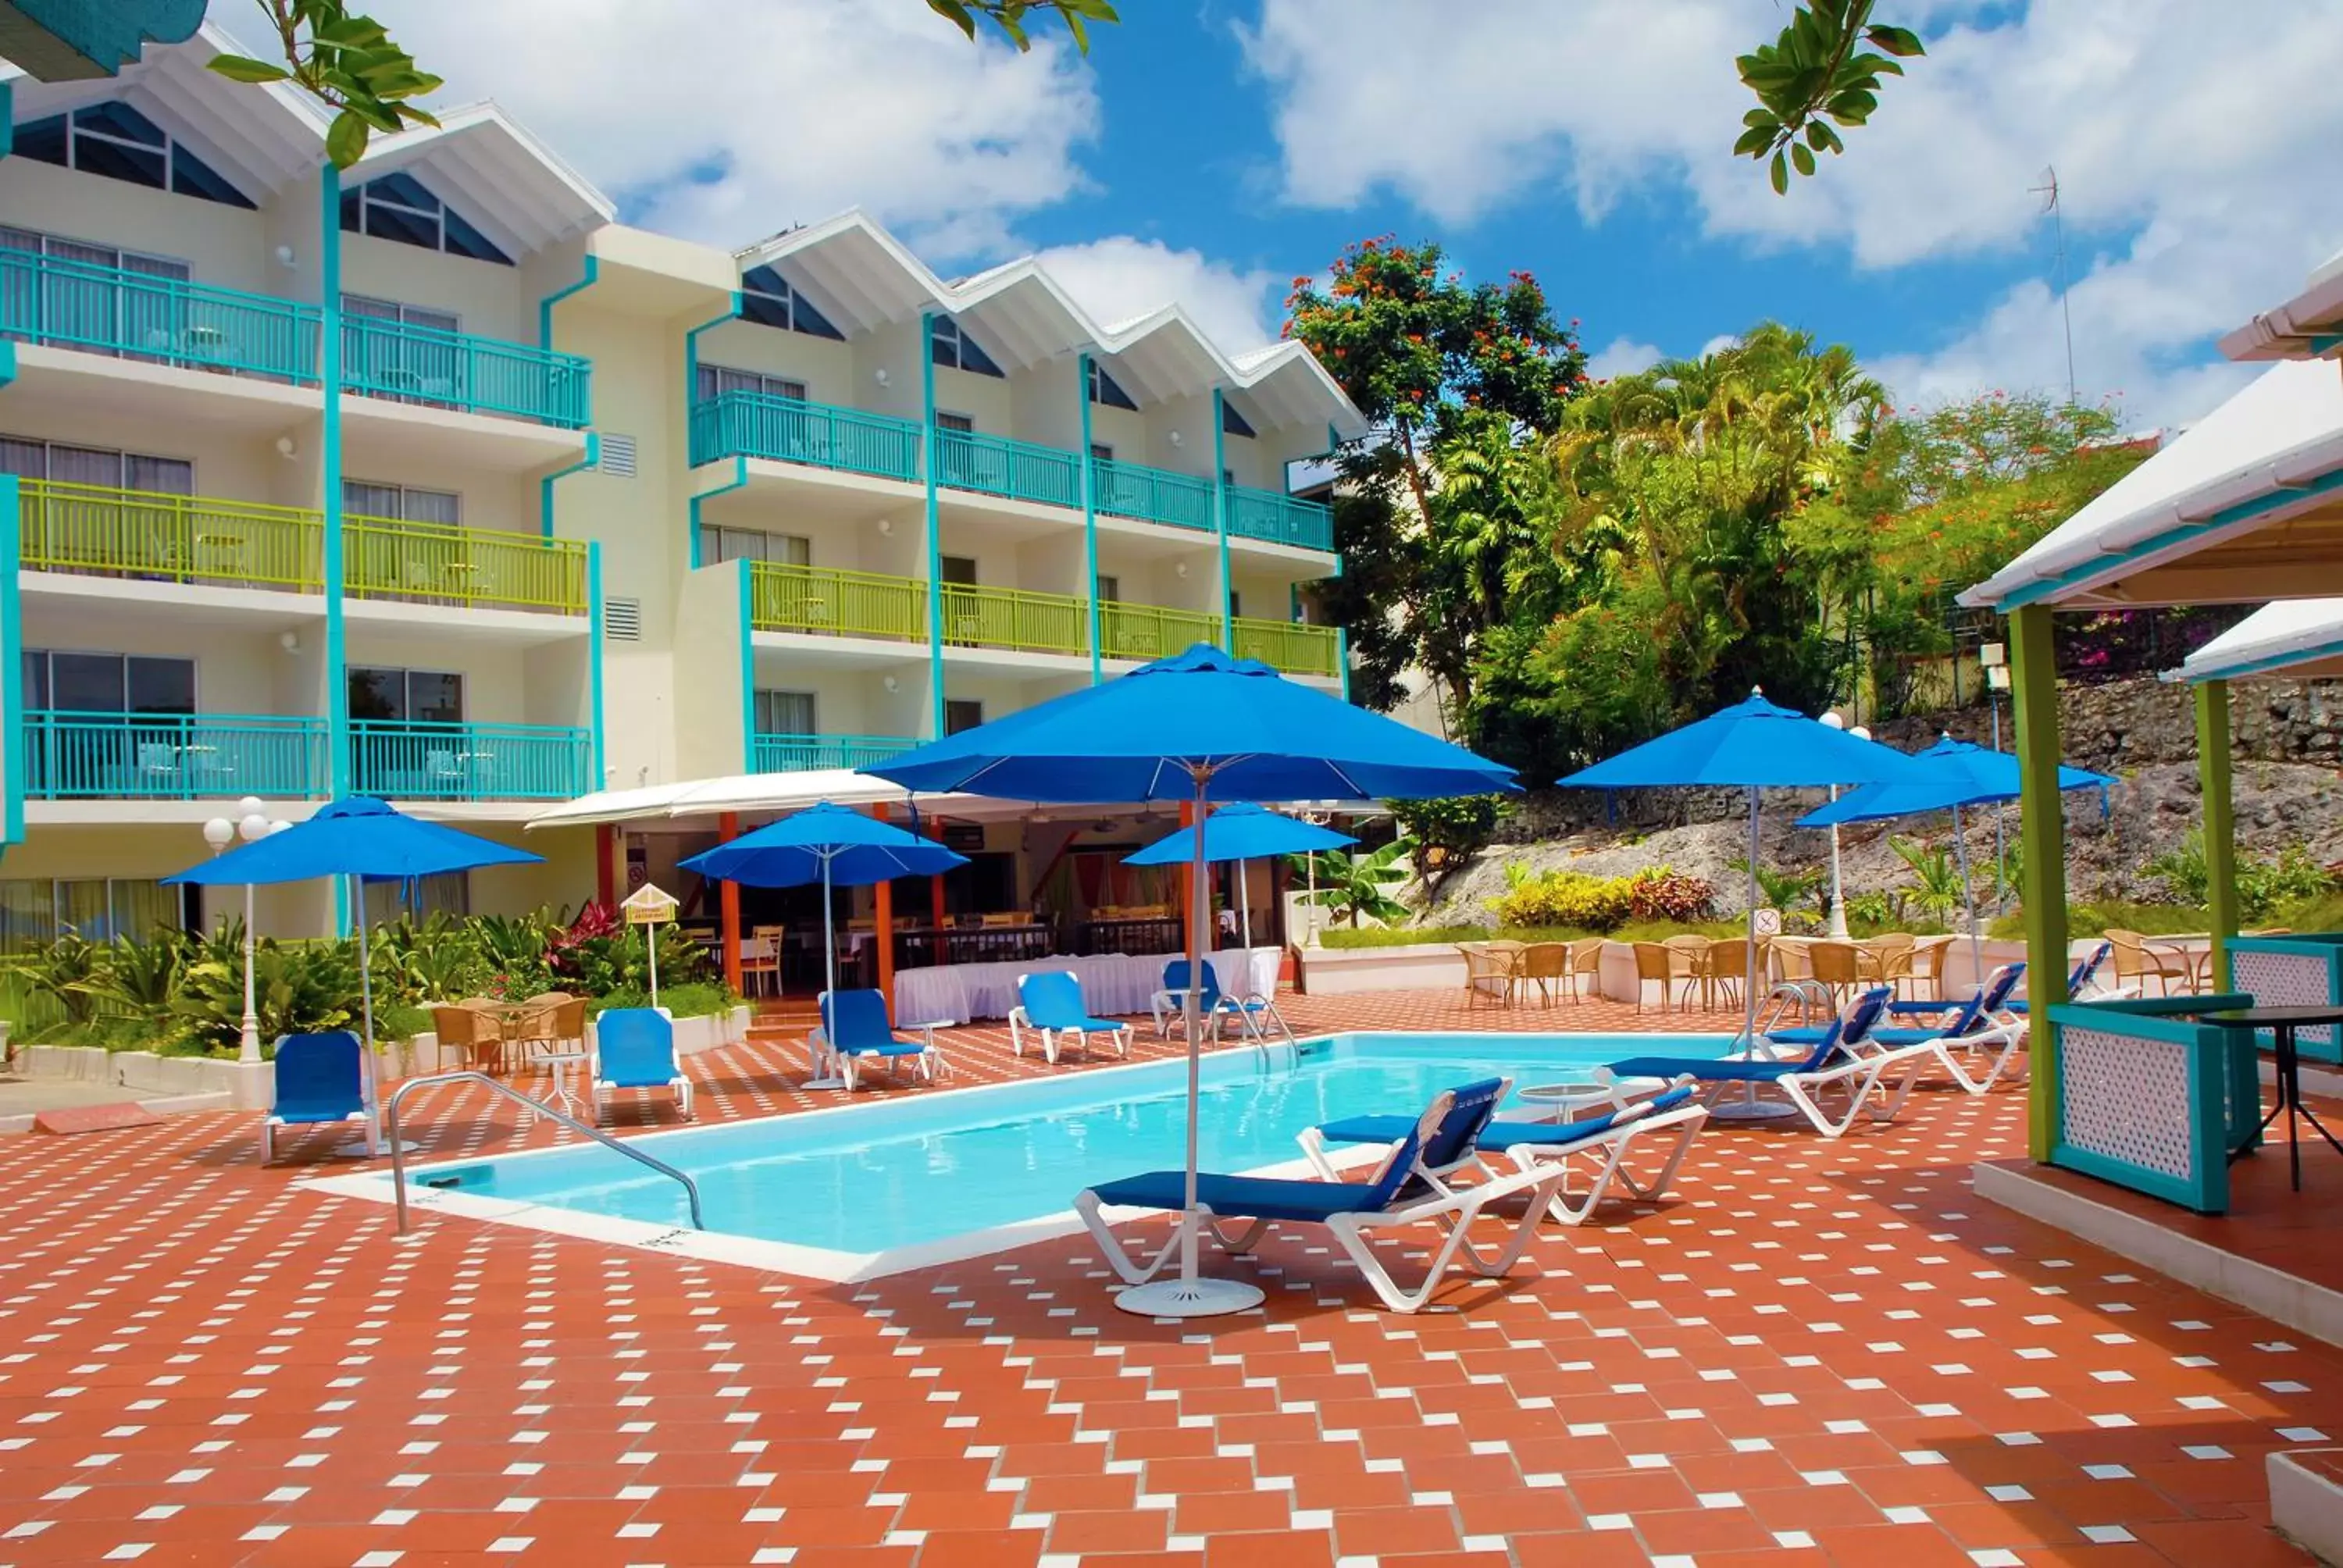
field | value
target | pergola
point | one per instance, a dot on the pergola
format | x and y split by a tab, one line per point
2245	506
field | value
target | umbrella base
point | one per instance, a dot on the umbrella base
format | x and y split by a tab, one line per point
358	1151
1189	1298
1752	1111
823	1084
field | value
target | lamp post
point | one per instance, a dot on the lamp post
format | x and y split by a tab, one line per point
1995	656
251	825
1838	890
1310	863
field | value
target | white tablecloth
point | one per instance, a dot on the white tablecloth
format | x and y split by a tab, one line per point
1114	985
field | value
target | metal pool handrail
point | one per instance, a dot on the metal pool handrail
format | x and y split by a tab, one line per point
398	1150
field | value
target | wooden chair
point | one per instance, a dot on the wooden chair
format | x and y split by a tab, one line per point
1658	963
760	957
1545	965
474	1031
1839	966
1488	976
1586	968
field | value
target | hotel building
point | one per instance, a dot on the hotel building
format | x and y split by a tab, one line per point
429	480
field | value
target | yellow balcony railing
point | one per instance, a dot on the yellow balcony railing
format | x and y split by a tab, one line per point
435	563
1012	619
1287	646
104	531
783	598
1151	631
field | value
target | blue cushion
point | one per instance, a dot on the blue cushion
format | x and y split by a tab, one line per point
1707	1069
891	1048
635	1048
1501	1134
320	1077
1243	1196
856	1019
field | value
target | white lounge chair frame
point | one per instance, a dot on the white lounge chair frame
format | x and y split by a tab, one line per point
1020	1022
929	1065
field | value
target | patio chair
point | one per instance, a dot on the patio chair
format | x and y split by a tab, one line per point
1927	976
2135	962
1659	964
477	1033
1885	961
1844	1060
320	1081
1981	1022
1545	965
1395	1196
1724	968
1586	968
1839	966
1051	1003
854	1026
1607	1137
2088	980
634	1048
1170	1002
1489	974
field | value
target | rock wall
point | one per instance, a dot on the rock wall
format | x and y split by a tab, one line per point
2126	724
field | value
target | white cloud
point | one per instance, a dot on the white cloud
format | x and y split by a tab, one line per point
723	122
1623	355
1121	277
2192	144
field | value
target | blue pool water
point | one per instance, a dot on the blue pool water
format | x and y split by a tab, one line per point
901	1172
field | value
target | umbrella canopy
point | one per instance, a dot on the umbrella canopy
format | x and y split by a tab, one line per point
1243	831
1198	724
1952	773
824	843
357	837
1751	745
1202	727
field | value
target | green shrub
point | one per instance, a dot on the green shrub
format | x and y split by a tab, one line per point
1579	901
2093	919
2263	885
696	999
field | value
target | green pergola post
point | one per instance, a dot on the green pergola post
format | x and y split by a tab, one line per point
2034	693
2220	823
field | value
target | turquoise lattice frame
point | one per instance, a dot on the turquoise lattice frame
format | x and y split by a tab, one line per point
2319	956
2222	1094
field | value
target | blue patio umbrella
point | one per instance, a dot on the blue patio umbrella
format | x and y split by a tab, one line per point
361	838
1951	774
1754	745
1201	727
834	845
1242	832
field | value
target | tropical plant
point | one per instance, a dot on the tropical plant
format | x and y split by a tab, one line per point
346	63
1660	893
1357	886
137	977
1563	898
1936	889
62	972
1787	891
1451	831
1817	71
297	987
1009	17
2263	885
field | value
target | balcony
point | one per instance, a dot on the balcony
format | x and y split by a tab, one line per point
410	364
1020	470
796	430
1015	619
1289	647
172	757
96	530
823	602
1146	631
812	753
1151	494
410	759
1280	519
49	300
433	563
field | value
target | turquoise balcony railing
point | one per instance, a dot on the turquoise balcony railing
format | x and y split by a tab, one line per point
1280	519
966	460
1151	495
412	364
810	753
79	756
48	299
408	759
795	430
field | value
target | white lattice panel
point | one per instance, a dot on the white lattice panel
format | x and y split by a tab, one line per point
2126	1098
2286	979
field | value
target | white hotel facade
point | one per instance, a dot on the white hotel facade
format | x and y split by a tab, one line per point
429	480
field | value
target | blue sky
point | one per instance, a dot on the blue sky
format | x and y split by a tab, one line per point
1210	150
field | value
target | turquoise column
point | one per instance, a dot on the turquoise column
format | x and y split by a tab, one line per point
747	671
1090	512
1343	657
7	118
593	454
690	421
1221	515
12	668
593	271
594	655
329	377
935	539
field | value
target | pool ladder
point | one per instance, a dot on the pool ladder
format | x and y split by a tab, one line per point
398	1149
1810	999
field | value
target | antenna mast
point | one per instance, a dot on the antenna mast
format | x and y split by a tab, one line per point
2049	191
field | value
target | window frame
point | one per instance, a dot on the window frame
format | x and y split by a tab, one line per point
359	202
171	150
407	674
963	347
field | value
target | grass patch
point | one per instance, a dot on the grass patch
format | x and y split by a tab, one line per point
2093	919
1418	935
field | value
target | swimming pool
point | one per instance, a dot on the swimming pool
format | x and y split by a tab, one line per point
874	1188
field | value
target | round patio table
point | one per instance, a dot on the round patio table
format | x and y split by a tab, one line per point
2282	1021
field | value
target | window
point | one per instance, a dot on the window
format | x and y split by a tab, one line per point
368	309
960	422
397	208
409	696
365	498
950	346
714	381
1105	390
118	142
767	299
35	912
108	682
718	544
1233	422
961	714
1236	603
450	892
97	466
960	569
1109	587
786	713
1101	451
90	311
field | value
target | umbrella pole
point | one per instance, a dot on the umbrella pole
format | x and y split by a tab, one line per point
366	1006
824	1076
1750	1108
1968	897
1190	1295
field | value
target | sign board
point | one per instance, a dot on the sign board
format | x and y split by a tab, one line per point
965	837
1768	921
648	906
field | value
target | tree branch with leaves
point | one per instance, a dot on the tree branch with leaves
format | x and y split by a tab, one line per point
1008	18
1817	71
346	63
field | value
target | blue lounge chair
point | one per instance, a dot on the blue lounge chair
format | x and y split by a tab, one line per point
1051	1002
1397	1194
854	1026
1606	1139
2086	982
634	1048
321	1080
1982	1023
1213	1005
1846	1058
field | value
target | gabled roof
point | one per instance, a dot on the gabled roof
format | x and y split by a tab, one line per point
514	187
865	279
2309	326
2296	639
2245	505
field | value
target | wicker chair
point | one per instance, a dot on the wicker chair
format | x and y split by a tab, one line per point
2135	962
1656	963
1927	976
1885	961
1725	969
1586	968
1545	965
477	1033
1839	966
1489	975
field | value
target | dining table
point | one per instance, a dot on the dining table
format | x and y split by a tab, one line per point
2282	1022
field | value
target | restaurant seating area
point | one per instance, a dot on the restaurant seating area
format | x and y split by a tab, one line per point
1691	972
